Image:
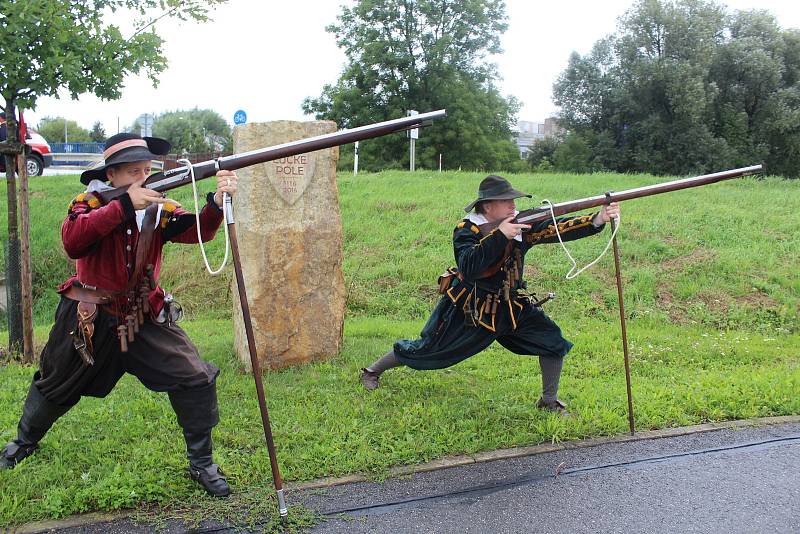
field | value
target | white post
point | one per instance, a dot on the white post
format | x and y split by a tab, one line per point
412	136
355	162
440	162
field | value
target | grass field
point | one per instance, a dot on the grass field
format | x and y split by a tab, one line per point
712	297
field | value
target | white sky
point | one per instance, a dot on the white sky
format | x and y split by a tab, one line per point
292	56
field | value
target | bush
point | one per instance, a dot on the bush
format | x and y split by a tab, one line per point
542	150
573	155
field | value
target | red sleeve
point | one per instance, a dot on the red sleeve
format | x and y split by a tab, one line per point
181	227
88	222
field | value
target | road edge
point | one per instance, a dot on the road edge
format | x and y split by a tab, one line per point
446	463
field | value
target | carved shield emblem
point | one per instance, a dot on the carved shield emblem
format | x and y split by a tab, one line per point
290	176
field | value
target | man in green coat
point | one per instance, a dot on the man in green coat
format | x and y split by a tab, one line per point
485	300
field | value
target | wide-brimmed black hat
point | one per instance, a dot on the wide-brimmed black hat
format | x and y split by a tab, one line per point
495	188
126	148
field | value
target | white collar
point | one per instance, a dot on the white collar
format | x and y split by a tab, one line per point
98	186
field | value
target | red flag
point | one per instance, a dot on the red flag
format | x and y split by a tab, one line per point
23	129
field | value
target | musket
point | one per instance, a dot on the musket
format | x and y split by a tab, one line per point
541	213
549	211
166	180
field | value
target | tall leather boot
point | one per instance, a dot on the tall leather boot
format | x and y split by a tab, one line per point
197	413
38	415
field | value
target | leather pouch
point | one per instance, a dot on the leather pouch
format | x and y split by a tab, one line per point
87	313
445	279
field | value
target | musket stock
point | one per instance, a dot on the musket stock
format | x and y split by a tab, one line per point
164	181
541	213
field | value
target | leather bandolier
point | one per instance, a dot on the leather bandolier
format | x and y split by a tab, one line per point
511	289
445	279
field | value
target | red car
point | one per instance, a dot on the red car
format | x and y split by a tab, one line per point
39	157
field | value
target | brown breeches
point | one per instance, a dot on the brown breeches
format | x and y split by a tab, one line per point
162	357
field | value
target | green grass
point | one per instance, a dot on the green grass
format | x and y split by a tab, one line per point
711	294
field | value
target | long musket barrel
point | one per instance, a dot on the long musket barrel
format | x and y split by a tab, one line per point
164	181
543	212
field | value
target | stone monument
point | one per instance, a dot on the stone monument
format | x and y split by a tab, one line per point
290	239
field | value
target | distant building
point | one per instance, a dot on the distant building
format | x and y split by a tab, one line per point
526	132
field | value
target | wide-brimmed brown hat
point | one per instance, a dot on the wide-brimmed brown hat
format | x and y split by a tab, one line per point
495	187
126	148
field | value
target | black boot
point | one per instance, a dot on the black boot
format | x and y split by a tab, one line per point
201	467
197	414
38	415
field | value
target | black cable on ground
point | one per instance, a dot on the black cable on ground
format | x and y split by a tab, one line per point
487	489
493	487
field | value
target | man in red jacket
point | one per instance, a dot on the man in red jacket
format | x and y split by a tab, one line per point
113	318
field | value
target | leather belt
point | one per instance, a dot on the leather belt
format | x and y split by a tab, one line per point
95	296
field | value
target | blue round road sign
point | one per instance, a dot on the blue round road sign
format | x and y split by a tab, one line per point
240	117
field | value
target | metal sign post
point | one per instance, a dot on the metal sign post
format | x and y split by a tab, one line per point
413	135
146	124
355	162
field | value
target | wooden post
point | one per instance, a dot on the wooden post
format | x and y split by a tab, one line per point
25	260
9	150
251	346
623	327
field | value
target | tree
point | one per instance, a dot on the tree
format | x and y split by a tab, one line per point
98	133
542	151
756	73
195	130
423	55
49	45
684	88
52	129
135	128
573	155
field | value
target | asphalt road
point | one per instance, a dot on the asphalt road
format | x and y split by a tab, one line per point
733	481
726	481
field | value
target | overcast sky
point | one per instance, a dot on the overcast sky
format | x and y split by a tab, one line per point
266	57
